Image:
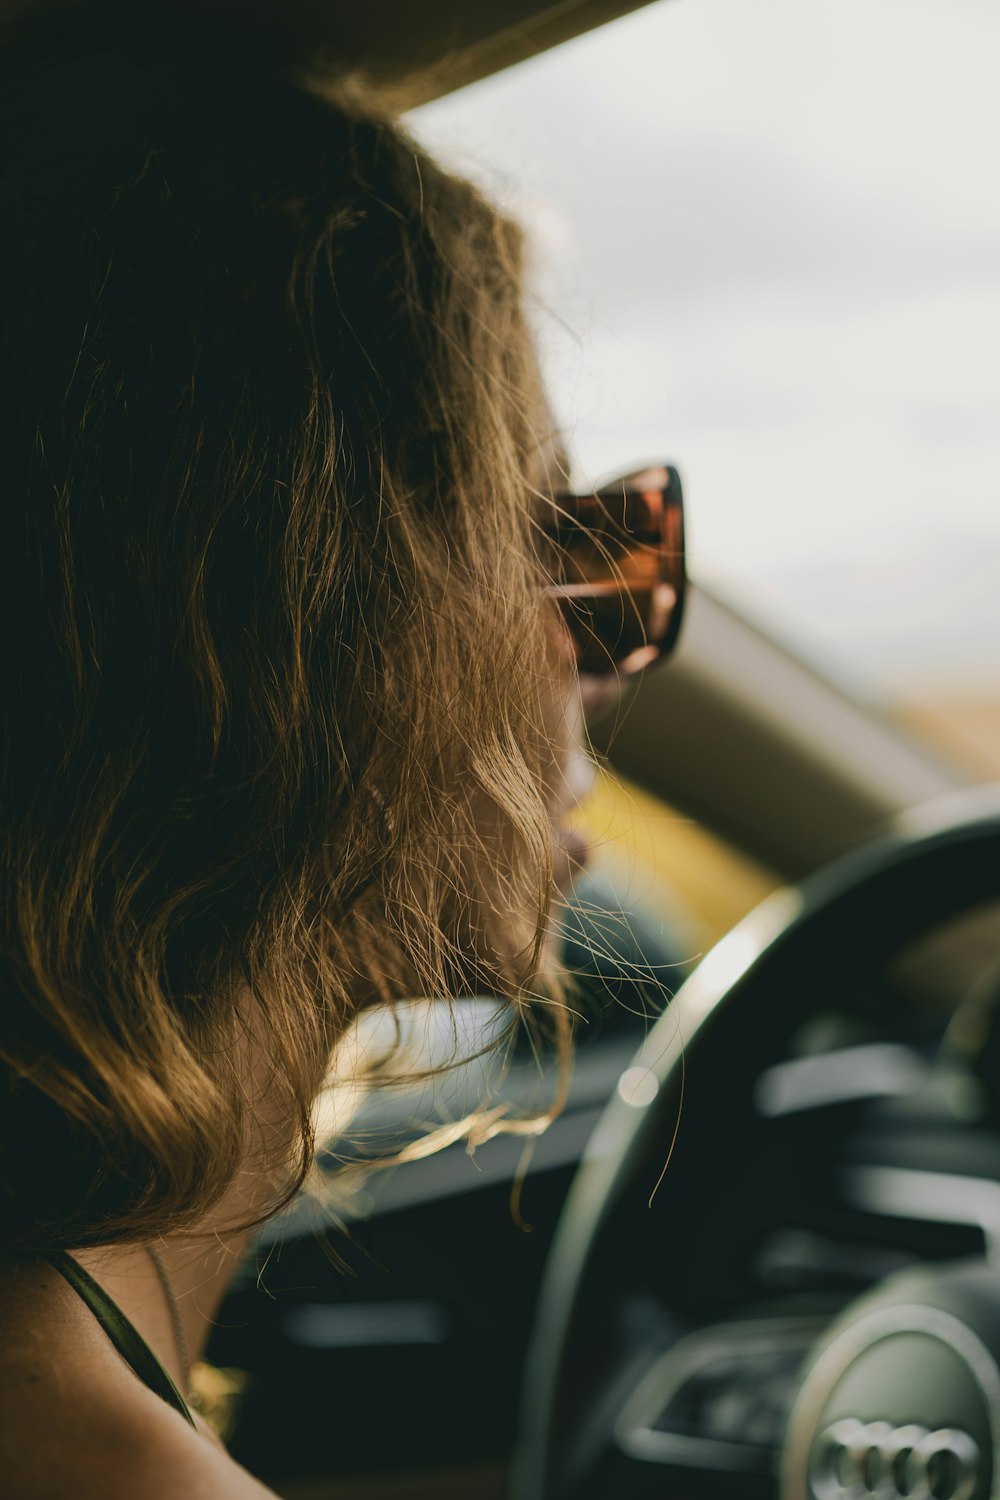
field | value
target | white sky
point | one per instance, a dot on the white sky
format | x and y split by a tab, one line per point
768	247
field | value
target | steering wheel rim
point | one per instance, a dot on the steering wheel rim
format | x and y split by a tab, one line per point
931	864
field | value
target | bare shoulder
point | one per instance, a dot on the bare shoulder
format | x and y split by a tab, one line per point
116	1452
102	1453
76	1423
177	1463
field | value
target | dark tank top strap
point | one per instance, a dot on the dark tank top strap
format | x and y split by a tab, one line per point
123	1334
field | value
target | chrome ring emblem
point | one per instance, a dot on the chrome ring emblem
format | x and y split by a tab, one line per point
855	1460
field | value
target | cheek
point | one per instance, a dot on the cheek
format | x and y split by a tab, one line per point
562	720
600	695
574	768
580	769
576	774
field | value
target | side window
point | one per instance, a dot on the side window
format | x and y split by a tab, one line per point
767	244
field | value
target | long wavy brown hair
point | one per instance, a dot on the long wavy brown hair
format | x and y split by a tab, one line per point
276	658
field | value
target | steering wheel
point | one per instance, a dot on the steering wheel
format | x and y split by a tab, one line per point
773	1274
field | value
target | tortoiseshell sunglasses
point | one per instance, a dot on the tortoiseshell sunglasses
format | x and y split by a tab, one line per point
618	570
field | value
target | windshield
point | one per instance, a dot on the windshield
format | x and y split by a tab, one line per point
767	239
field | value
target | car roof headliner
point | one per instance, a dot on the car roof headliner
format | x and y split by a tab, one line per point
435	46
418	49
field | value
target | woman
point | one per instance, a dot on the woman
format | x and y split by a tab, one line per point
284	689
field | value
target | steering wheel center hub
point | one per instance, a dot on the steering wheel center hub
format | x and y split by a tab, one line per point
902	1398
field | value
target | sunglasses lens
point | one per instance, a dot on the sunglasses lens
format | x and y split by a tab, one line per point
620	572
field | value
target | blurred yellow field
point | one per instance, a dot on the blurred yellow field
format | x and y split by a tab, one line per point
967	730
